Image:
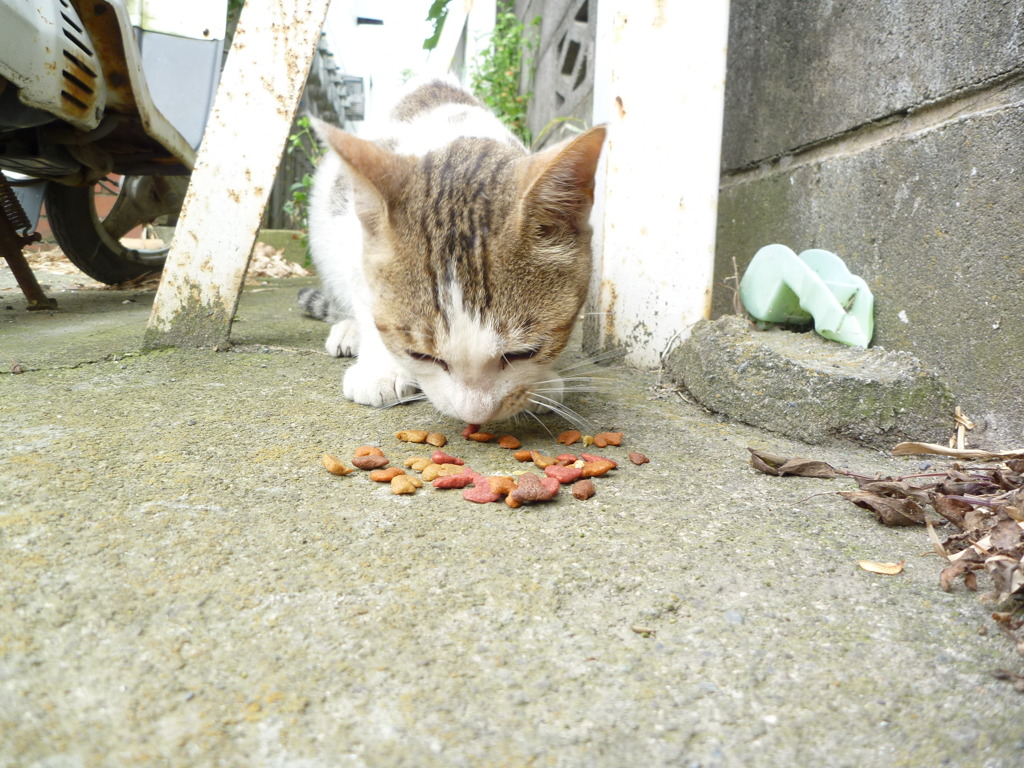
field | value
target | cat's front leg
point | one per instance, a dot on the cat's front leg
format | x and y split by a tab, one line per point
376	378
343	340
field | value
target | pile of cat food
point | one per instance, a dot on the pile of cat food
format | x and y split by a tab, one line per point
446	471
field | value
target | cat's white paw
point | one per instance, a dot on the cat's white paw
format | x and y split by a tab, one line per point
376	384
343	340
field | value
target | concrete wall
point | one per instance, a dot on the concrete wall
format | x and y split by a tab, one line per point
563	65
892	133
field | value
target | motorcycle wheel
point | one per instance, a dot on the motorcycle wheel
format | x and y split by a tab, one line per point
100	246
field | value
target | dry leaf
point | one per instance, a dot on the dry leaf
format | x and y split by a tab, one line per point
885	569
889	511
780	466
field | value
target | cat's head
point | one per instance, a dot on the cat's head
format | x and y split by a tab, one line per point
479	260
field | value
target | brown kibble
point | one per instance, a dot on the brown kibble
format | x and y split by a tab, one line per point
386	475
403	484
604	439
370	461
482	437
368	450
334	466
437	440
532	488
638	458
597	468
570	436
417	463
501	484
431	472
412	435
522	455
583	489
509	442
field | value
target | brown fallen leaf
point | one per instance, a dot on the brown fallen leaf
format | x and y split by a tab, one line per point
885	569
889	511
780	466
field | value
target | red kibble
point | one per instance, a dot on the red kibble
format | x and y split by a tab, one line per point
564	474
480	493
440	457
638	458
593	457
584	489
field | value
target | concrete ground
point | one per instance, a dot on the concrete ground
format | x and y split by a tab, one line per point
184	585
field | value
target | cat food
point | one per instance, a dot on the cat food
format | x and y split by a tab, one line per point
638	458
541	460
417	463
404	484
569	437
594	457
532	488
509	442
604	439
460	480
597	468
503	485
437	440
523	455
367	450
583	489
470	430
433	471
564	474
386	475
370	461
412	435
480	493
334	466
482	437
440	457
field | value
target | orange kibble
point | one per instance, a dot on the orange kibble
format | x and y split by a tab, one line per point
541	460
509	442
501	484
412	435
598	468
481	437
570	436
604	439
368	450
523	455
334	466
386	475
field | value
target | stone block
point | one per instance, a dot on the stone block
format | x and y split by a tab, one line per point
932	220
805	387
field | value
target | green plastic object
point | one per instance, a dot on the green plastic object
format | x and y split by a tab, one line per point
781	287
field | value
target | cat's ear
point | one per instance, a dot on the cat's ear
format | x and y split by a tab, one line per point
560	190
378	176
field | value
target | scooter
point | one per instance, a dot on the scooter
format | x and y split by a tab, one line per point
103	104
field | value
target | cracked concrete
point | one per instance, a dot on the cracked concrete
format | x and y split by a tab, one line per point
184	585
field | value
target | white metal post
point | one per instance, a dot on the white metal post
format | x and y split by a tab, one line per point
242	147
660	85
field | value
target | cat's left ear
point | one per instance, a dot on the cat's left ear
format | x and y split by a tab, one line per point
561	181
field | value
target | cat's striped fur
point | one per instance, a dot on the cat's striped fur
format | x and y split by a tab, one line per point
451	260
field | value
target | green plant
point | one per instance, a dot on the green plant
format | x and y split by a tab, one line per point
437	14
303	142
497	72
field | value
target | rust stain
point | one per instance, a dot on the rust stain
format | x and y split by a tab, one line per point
620	107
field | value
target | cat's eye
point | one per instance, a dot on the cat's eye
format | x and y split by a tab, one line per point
422	358
521	354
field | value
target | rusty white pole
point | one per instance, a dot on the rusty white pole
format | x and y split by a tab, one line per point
252	112
659	83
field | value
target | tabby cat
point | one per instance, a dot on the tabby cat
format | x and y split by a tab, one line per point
452	261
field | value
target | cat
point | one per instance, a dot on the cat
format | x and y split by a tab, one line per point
451	260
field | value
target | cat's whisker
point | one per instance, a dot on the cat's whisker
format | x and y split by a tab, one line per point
413	398
538	420
600	358
561	409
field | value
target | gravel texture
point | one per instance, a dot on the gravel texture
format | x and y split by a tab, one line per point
184	585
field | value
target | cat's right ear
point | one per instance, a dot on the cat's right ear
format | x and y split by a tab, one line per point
378	176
